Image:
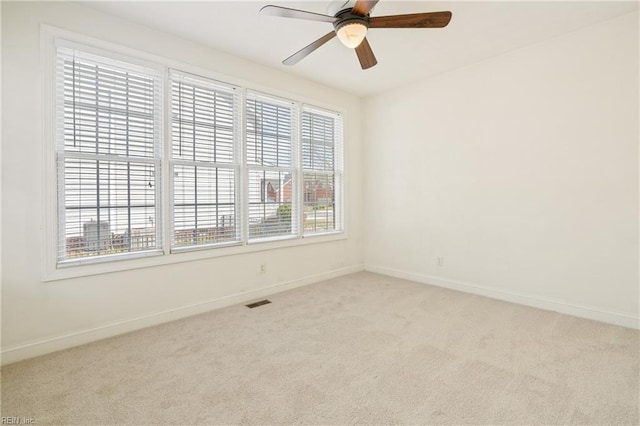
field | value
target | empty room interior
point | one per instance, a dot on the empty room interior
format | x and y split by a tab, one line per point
320	212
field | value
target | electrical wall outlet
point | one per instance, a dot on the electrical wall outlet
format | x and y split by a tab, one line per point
439	261
263	268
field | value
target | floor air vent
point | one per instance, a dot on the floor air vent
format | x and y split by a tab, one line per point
256	304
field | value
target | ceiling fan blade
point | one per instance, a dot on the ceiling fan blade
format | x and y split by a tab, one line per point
365	55
286	12
305	51
362	7
414	20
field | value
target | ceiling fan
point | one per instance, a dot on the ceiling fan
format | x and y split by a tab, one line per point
350	24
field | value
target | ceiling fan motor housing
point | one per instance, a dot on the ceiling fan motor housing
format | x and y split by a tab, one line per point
347	17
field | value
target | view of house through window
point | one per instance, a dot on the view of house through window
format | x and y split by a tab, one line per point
204	130
270	130
322	165
242	166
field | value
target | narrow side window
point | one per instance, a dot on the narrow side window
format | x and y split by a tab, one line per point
322	171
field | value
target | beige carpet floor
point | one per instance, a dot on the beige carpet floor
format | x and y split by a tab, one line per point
363	348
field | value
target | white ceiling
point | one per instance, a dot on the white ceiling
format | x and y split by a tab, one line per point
478	30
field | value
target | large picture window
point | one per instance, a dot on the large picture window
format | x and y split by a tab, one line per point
155	161
204	157
108	157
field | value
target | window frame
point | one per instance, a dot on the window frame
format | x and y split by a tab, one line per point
155	160
294	167
235	165
51	271
337	172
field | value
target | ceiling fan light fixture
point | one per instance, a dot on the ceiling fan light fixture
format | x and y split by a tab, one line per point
351	34
351	21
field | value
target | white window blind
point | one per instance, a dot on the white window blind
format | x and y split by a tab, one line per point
271	164
205	167
108	157
322	171
239	166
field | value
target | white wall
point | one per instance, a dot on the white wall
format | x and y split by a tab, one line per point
520	171
38	317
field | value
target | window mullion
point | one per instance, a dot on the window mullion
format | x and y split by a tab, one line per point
164	175
300	171
243	185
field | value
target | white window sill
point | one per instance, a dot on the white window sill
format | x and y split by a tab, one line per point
104	265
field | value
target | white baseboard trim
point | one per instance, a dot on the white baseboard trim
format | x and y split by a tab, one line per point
589	312
44	346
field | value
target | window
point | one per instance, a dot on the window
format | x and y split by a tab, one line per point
322	170
149	160
270	158
108	153
204	162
